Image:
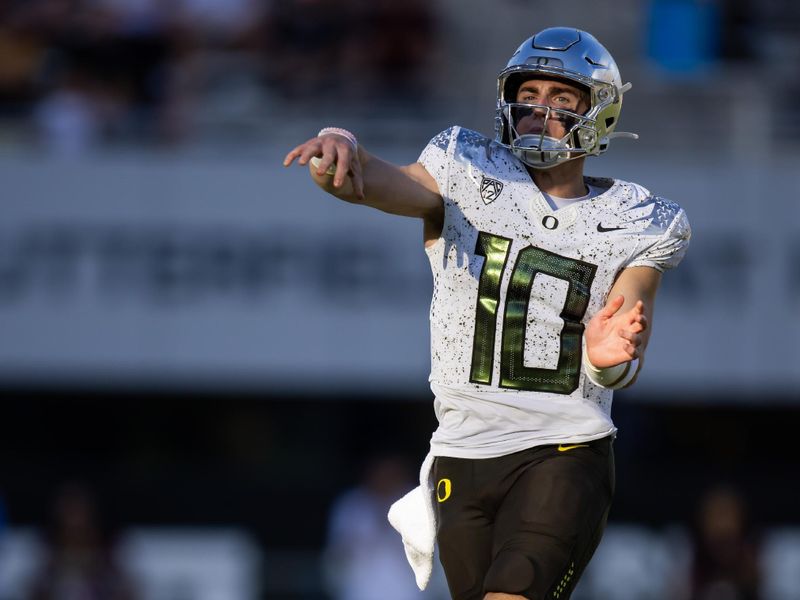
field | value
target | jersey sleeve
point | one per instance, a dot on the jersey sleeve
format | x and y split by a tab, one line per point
435	156
668	249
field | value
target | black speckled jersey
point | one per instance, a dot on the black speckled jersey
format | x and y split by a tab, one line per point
515	282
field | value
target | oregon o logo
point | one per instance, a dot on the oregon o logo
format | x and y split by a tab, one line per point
443	489
549	222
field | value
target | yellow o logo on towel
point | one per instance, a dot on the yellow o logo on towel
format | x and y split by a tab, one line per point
443	489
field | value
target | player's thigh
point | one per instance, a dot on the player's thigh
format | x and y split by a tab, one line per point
551	521
464	534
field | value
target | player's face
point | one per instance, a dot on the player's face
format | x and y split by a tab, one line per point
554	94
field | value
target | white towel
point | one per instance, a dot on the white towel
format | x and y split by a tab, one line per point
415	520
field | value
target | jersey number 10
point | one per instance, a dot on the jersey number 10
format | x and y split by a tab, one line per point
530	261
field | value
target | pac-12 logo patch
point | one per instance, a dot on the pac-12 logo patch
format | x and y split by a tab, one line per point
490	190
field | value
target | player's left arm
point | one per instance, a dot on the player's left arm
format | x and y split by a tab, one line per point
620	331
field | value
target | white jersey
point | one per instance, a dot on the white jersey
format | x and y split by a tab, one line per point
515	282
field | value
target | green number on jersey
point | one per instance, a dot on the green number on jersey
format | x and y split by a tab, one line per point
530	261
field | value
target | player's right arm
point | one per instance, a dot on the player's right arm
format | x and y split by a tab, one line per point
363	178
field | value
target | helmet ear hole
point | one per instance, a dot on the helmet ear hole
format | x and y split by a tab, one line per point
609	122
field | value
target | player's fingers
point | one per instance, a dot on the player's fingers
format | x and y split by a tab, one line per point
327	160
611	308
635	316
294	153
643	322
310	149
633	321
635	327
631	336
342	165
298	151
636	311
627	351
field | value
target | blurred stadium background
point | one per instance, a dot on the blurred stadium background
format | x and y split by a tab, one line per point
213	378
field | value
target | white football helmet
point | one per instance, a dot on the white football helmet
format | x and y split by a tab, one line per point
573	55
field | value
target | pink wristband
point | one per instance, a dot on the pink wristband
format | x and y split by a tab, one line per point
342	132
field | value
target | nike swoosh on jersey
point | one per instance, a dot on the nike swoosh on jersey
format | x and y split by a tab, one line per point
562	448
602	229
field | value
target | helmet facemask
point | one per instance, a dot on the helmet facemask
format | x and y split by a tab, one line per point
531	129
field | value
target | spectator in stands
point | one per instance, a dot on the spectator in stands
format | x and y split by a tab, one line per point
363	560
400	39
304	54
725	564
79	564
381	48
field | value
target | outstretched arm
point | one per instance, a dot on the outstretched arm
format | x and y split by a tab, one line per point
363	178
620	331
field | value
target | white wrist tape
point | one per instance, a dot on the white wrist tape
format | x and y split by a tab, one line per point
612	378
342	132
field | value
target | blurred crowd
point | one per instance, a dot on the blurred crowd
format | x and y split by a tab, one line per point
719	554
79	71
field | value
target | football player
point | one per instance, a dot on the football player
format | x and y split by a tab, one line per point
544	288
